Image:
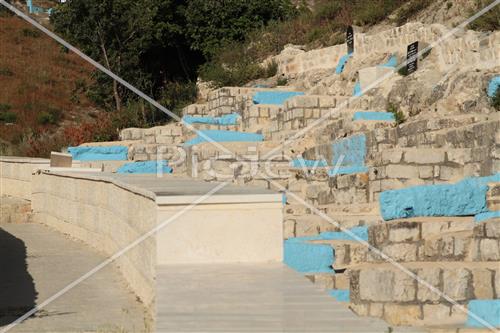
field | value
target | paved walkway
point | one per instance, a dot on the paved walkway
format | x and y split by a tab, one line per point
36	262
250	298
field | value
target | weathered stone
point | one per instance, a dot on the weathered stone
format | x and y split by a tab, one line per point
425	172
456	282
482	284
401	171
392	156
404	287
432	276
424	156
403	234
401	252
376	285
442	314
489	249
401	315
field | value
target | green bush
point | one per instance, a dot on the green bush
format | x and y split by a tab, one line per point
282	81
398	115
31	33
5	107
8	117
4	71
51	116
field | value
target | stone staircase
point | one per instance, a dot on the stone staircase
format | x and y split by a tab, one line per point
443	144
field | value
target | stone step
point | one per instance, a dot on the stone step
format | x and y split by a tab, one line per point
384	290
348	253
330	281
423	239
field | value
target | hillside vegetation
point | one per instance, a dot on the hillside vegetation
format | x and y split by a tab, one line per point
50	98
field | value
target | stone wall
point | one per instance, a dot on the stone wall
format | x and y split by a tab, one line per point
106	215
16	175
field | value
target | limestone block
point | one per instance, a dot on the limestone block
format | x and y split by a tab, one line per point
392	156
401	251
460	156
425	172
442	314
424	156
369	75
401	171
456	282
432	277
401	315
492	229
376	285
489	249
289	229
403	234
483	288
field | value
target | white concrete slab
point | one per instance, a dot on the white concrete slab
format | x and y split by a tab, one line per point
249	298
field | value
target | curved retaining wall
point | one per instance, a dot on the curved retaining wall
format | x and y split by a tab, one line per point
106	215
16	175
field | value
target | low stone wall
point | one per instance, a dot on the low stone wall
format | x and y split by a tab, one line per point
106	215
16	175
168	134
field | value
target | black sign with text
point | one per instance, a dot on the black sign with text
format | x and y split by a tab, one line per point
411	58
349	39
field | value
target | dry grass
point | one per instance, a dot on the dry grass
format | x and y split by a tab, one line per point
37	76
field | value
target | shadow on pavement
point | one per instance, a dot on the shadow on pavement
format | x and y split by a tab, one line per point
17	289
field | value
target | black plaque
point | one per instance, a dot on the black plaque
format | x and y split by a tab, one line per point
412	58
349	39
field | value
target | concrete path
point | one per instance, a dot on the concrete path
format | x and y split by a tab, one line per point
250	298
36	262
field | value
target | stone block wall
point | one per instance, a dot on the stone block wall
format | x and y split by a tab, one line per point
387	292
16	176
170	134
105	215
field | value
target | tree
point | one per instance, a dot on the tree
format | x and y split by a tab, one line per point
212	23
137	40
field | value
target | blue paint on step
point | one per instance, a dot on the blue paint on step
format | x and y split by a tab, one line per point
342	61
274	97
392	62
349	154
225	120
225	136
486	216
373	115
341	295
493	86
357	90
302	163
147	167
105	153
465	198
307	257
487	310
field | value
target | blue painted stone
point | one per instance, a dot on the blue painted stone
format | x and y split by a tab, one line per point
487	310
107	153
147	167
486	216
342	61
392	62
274	97
225	136
307	257
357	90
493	86
467	197
351	153
373	115
301	163
228	119
341	295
